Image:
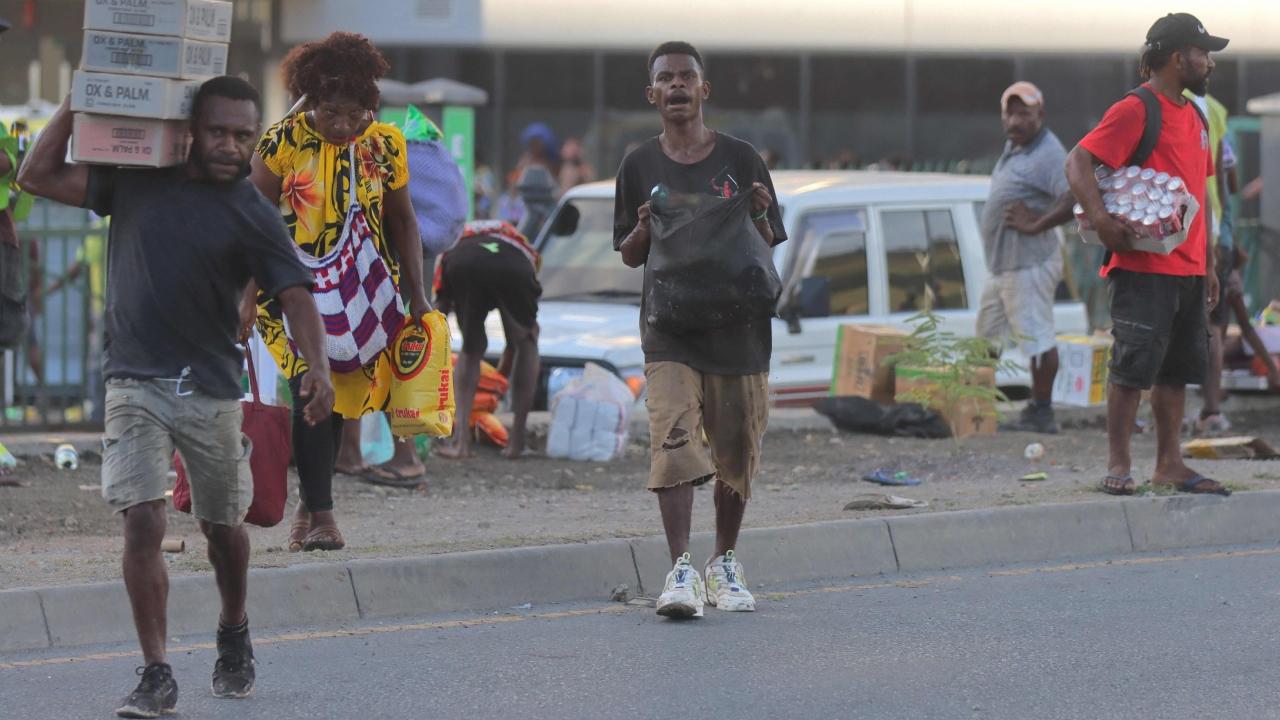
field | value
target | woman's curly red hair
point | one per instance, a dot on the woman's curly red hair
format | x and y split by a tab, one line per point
343	65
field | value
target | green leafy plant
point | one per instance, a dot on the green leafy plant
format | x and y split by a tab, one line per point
950	365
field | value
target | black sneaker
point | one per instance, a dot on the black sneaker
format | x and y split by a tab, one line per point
233	672
1035	419
156	695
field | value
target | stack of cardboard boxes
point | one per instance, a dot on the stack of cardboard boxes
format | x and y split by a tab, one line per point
142	63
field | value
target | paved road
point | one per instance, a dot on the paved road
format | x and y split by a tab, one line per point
1169	636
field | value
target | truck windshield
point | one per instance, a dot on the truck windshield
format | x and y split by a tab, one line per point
578	259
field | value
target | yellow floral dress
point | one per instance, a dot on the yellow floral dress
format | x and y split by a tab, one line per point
314	196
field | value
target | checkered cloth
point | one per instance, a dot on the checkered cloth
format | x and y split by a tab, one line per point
354	292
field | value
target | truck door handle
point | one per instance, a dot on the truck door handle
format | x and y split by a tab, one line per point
798	359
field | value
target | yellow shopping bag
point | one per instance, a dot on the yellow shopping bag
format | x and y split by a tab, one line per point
421	398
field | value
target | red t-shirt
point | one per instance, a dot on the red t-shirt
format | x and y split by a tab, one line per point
1183	150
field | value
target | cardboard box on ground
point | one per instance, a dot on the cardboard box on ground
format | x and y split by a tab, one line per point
1229	448
860	369
142	63
1082	370
967	416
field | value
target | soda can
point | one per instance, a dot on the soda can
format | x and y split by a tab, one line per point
1175	185
1138	189
1170	220
1151	226
1135	217
1147	175
1109	198
1119	183
1155	195
1161	179
1132	172
1124	200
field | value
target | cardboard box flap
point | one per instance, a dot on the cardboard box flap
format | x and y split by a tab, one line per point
1229	448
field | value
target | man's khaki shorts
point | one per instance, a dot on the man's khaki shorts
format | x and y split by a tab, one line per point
146	420
733	410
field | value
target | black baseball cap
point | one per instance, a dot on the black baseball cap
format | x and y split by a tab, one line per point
1177	30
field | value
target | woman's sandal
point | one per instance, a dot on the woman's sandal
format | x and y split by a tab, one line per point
325	537
298	531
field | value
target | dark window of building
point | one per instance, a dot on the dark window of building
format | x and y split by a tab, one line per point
858	83
954	84
1261	77
549	80
625	79
1077	90
754	82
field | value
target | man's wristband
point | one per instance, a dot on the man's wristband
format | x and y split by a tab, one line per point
761	216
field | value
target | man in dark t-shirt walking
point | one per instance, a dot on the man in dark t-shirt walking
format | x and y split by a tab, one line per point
184	242
716	380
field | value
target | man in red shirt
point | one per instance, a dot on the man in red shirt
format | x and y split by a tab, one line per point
1158	302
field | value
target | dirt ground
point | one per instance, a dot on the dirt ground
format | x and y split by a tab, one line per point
57	529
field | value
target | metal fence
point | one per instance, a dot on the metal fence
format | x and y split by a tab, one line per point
52	379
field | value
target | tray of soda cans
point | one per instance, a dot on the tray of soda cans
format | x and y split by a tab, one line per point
1156	205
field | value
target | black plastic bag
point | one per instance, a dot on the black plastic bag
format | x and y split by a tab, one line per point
708	267
858	414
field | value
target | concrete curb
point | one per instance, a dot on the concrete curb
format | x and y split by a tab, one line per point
341	593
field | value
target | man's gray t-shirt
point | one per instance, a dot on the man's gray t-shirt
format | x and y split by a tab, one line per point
1033	173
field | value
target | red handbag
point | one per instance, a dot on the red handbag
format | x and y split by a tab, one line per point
268	428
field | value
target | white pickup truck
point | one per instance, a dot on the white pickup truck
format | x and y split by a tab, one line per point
864	247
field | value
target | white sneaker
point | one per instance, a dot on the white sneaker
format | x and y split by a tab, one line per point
1215	424
682	595
727	586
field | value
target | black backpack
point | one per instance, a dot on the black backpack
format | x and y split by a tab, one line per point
1150	133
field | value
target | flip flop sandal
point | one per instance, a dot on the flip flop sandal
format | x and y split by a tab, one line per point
298	531
1196	480
398	479
885	476
324	538
1127	486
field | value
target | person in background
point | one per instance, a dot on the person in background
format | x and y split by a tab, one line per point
1028	200
574	170
302	165
1158	302
173	370
492	267
1210	420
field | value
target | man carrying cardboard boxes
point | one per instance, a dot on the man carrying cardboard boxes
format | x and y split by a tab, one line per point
188	230
184	242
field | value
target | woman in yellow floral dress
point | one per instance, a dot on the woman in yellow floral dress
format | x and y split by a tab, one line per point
303	163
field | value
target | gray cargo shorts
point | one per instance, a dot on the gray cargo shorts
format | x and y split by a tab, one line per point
146	420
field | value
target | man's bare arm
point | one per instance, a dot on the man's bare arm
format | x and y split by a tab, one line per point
45	171
635	248
308	332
